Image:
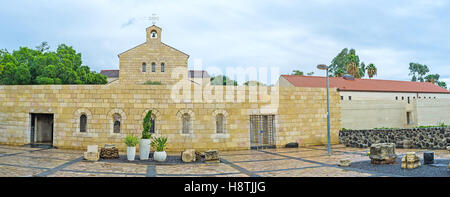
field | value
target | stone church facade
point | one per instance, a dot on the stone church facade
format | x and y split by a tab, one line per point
192	115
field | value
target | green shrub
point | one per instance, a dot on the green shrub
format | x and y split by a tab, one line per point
131	140
147	124
159	143
149	82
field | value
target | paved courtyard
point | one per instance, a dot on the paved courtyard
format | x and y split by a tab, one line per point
298	162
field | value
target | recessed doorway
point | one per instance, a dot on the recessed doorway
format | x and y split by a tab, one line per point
41	129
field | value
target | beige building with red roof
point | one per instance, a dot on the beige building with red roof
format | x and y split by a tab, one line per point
373	103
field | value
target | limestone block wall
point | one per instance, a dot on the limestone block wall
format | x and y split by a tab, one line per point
302	116
433	112
425	138
370	114
299	114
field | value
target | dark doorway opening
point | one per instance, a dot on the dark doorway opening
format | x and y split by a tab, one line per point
41	130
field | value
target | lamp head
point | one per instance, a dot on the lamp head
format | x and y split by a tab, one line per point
322	67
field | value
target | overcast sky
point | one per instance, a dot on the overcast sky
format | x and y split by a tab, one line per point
287	34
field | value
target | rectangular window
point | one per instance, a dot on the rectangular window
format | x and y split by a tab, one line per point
144	67
409	100
162	67
342	98
349	98
408	118
153	67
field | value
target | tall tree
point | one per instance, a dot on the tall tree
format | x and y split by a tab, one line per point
222	80
41	66
418	71
371	70
434	78
347	62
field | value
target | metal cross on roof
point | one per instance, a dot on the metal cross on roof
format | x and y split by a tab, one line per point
153	18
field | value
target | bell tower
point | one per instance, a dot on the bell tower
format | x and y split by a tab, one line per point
153	34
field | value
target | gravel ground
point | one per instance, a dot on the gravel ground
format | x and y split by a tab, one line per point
438	169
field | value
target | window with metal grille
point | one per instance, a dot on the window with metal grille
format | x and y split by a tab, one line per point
262	130
220	123
116	123
162	67
83	123
153	67
186	121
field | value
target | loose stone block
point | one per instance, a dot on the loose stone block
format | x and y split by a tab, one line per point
410	161
109	153
383	153
344	163
428	157
212	156
292	145
198	156
188	155
92	148
92	156
407	144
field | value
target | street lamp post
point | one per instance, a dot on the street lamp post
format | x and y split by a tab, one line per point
325	67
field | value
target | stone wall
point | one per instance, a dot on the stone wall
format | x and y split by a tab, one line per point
300	114
423	138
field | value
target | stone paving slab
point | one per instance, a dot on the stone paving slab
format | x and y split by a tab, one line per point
13	171
276	164
84	174
254	157
214	168
315	172
285	162
41	162
108	167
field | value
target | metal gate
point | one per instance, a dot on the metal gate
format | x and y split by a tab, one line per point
262	131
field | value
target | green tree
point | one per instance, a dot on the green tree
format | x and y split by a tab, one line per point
22	75
371	70
418	71
42	66
347	62
253	83
434	78
222	80
297	72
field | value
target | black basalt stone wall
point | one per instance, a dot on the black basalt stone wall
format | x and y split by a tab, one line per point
423	138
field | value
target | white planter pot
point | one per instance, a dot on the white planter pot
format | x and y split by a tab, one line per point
144	149
131	153
159	156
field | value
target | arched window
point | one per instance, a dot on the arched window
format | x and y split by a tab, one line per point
152	120
220	123
153	67
162	67
186	127
83	123
117	119
144	67
153	34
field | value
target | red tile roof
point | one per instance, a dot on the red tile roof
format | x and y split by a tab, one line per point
369	85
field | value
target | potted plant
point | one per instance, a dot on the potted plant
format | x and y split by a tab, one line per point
131	142
144	144
159	144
